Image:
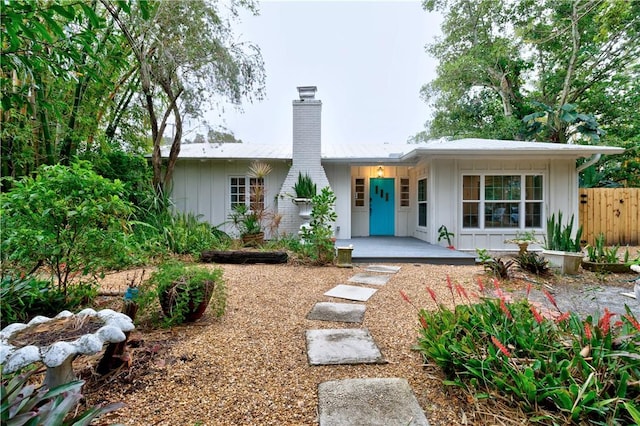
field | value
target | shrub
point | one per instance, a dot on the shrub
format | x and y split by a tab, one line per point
317	243
68	219
25	298
533	262
23	403
562	370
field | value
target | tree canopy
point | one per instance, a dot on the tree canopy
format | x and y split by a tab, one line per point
545	70
93	76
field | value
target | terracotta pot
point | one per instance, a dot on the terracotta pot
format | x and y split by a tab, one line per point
195	309
253	240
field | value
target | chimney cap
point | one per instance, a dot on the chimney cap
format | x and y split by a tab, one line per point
307	92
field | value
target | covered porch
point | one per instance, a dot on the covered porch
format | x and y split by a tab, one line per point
403	250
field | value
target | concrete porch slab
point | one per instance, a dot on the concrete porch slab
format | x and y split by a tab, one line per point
382	268
338	312
351	292
342	346
372	402
369	279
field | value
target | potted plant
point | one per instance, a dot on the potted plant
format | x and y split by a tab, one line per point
561	248
304	190
248	224
605	259
185	291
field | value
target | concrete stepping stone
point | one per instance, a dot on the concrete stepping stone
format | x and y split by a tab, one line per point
351	292
382	268
342	346
340	312
369	279
371	402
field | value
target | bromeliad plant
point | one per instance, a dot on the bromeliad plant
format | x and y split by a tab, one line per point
560	369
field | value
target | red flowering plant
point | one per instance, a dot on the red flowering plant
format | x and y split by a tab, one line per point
557	367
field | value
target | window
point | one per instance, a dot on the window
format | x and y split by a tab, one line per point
404	192
359	192
247	191
422	202
502	201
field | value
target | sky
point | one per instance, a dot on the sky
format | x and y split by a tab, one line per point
367	59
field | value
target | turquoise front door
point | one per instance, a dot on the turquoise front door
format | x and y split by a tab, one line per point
381	206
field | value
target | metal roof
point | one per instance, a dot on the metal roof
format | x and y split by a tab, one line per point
391	153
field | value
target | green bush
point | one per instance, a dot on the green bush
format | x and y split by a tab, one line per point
159	229
24	404
559	371
317	244
68	220
25	298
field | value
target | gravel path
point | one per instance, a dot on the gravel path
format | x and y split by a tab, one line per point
250	367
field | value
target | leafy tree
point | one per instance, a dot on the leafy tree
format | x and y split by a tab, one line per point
67	219
61	65
182	66
547	70
571	52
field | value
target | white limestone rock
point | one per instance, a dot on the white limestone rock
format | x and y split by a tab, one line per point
13	358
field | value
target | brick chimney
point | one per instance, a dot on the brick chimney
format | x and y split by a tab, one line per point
306	155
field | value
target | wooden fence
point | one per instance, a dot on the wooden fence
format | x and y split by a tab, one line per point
615	212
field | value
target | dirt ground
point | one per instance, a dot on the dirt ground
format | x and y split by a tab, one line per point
250	366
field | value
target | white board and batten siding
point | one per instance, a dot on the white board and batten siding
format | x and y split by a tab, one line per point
445	199
202	187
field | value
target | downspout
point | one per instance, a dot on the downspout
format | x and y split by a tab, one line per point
594	159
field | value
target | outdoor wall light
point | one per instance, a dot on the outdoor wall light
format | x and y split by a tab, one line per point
380	171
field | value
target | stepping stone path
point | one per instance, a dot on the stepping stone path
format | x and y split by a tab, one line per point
369	279
350	292
382	268
383	402
379	401
342	346
337	312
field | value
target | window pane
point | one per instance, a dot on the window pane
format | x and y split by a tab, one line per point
470	215
502	188
501	215
533	187
404	192
422	190
422	214
533	215
471	188
237	191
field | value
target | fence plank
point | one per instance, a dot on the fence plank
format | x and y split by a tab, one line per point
615	212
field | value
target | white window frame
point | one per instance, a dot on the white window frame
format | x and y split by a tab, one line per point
247	184
522	201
